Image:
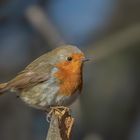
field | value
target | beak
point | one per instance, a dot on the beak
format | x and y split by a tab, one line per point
86	59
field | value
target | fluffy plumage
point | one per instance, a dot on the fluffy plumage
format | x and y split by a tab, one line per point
51	79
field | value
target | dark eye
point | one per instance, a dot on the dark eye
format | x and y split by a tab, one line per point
69	58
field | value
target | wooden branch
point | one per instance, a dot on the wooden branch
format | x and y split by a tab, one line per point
60	126
115	43
41	22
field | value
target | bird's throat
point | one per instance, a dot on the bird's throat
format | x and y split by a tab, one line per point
70	80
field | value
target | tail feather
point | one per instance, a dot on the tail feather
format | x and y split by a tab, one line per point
3	88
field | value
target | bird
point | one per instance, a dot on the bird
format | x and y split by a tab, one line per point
53	79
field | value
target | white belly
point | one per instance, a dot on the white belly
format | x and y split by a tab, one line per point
45	95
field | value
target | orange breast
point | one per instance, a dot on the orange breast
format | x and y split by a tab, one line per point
70	78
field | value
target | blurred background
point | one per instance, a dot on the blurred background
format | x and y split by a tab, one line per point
108	30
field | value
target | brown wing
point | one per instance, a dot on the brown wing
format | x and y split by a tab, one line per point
31	76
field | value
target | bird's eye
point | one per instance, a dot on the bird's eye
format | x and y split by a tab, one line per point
69	58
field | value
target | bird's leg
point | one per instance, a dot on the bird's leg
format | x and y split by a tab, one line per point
61	109
49	115
57	110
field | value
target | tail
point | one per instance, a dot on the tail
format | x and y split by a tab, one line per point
3	88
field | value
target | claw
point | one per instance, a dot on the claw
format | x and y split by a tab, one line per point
49	115
57	110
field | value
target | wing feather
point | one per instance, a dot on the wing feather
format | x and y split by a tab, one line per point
31	76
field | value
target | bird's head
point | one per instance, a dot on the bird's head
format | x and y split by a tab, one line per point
69	58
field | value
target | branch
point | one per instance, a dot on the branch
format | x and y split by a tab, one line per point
115	43
41	22
60	126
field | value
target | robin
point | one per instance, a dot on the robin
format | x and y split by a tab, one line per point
53	79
